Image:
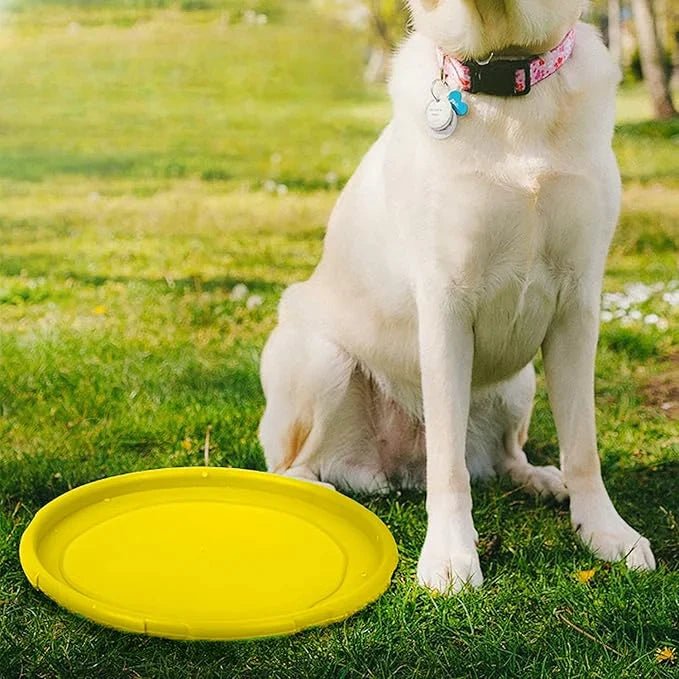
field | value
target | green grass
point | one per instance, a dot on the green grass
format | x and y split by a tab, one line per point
136	140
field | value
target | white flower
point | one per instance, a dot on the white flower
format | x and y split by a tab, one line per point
628	306
331	178
672	298
253	18
239	292
616	299
608	300
253	302
270	185
281	189
637	292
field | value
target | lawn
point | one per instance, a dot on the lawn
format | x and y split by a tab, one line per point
154	155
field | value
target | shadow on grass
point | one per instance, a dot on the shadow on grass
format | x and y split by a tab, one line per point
157	409
42	264
513	522
179	285
529	555
38	266
648	498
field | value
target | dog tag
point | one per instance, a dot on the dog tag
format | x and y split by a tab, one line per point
439	114
441	118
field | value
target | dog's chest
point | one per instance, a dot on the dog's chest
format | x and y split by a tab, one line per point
511	314
510	252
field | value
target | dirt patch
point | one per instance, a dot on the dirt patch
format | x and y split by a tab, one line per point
662	390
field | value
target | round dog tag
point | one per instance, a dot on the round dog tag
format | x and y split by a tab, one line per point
440	113
447	130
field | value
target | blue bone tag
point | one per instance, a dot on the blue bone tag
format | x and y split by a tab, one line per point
455	99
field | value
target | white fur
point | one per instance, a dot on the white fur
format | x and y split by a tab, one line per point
447	265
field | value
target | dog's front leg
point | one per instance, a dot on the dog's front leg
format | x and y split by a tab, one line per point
569	353
449	558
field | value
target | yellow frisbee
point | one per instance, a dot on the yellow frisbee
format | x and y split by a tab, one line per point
208	553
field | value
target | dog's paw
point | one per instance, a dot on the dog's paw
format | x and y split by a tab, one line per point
618	543
364	480
547	482
305	474
543	481
612	539
640	557
448	572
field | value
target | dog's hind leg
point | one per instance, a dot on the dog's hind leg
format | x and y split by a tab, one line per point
543	480
315	425
517	399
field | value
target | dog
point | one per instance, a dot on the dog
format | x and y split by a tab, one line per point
473	234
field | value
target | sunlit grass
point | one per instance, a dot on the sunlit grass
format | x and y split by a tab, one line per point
634	103
142	154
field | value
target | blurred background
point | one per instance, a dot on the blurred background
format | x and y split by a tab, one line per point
217	90
642	35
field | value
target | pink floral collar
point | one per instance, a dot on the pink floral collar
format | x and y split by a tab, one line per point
506	77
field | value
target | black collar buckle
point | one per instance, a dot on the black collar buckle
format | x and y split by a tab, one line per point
499	77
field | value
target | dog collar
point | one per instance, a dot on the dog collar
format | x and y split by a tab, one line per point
506	77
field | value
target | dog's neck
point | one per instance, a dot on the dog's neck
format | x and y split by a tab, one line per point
511	14
507	77
507	51
529	50
473	29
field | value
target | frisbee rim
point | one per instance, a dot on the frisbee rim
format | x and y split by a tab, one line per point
336	608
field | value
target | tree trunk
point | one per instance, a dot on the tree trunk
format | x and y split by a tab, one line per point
672	39
652	61
614	30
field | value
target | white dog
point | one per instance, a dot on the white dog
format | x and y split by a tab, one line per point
461	246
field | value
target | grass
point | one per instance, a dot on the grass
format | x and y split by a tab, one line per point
141	153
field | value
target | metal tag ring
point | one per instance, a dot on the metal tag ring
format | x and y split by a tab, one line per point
442	83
